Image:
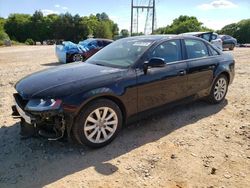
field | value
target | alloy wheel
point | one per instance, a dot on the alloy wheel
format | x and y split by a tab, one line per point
100	125
77	57
220	89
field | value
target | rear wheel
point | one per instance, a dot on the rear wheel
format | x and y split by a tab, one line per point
98	123
77	57
232	47
219	90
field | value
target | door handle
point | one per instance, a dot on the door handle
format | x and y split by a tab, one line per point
182	73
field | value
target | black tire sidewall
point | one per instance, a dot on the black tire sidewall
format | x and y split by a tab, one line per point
232	47
78	127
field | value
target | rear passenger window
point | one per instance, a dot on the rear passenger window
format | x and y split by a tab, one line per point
170	51
196	49
213	51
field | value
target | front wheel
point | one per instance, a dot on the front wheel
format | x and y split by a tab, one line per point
98	123
219	90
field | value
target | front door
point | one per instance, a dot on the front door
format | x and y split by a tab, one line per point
162	85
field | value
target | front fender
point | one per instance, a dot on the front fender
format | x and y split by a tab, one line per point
78	101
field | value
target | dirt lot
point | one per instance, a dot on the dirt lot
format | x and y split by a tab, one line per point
193	145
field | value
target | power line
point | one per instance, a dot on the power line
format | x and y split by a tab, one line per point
136	9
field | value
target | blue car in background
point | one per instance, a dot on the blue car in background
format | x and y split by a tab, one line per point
70	52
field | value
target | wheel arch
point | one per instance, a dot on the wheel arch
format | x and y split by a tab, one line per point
110	97
224	73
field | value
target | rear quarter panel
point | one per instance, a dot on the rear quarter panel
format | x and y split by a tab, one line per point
226	65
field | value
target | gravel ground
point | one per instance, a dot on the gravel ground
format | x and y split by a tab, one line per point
192	145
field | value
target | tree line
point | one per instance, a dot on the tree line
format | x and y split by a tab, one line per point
240	30
37	27
183	24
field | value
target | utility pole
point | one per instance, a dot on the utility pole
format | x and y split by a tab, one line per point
153	17
150	16
132	17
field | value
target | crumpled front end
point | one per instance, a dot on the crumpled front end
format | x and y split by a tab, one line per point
40	118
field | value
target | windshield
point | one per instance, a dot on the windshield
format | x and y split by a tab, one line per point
122	53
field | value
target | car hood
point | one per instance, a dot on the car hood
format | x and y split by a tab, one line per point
66	80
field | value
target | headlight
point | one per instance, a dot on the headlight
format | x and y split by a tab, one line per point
43	104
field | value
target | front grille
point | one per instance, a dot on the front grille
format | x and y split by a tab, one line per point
20	101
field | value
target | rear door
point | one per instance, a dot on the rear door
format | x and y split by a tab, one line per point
200	65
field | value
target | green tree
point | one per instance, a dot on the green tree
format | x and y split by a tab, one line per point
124	33
50	21
3	34
137	34
229	29
17	27
38	29
240	30
102	17
115	29
182	24
103	30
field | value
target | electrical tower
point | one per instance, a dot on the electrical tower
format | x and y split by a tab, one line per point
137	9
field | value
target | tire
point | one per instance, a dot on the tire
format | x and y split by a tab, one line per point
94	131
219	90
232	47
77	57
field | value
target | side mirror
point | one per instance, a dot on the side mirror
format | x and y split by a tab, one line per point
154	62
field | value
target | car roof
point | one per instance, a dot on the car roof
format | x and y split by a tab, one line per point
155	38
150	37
102	39
109	40
196	33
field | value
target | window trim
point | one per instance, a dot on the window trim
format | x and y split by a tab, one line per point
210	53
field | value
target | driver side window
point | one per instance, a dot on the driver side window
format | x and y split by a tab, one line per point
170	51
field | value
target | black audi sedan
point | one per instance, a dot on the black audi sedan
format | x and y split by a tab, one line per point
89	103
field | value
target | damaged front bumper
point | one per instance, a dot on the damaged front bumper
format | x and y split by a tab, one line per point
47	123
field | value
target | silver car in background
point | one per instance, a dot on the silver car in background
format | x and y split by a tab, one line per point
211	37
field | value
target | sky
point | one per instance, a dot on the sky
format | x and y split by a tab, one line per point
212	13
